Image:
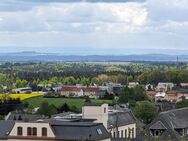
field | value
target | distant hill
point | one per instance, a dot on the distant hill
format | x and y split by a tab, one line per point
37	56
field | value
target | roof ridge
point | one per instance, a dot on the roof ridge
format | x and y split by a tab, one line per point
174	110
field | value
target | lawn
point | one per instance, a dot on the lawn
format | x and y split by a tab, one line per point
20	96
36	101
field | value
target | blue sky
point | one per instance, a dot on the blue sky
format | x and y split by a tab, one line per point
65	26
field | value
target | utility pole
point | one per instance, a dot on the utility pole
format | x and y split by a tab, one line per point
11	75
177	63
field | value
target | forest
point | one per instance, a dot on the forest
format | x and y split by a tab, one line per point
71	73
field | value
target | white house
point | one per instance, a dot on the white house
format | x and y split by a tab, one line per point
164	86
52	130
22	90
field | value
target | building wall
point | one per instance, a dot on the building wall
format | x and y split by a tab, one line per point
106	140
123	131
39	127
96	112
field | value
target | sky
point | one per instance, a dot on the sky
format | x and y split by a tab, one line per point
83	27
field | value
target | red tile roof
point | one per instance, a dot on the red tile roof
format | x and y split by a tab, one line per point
71	89
91	89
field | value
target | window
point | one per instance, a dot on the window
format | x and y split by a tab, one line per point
125	133
132	132
99	131
44	132
114	134
29	131
122	133
19	131
104	110
34	131
129	132
156	133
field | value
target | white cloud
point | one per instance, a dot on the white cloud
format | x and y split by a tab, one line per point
124	17
163	10
152	24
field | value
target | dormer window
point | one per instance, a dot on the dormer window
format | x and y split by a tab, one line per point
34	131
29	131
19	131
44	132
157	129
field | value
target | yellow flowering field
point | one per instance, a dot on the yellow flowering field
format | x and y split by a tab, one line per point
21	96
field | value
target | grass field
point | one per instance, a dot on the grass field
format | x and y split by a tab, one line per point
36	101
20	96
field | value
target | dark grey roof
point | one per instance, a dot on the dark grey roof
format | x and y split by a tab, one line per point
177	118
5	128
79	130
171	120
24	116
93	104
158	125
120	119
182	90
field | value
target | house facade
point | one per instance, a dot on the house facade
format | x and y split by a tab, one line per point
80	91
72	91
164	86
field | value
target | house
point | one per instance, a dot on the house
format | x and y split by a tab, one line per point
22	90
53	130
119	123
91	92
44	85
171	124
114	88
174	95
122	124
164	86
184	85
132	84
80	91
160	95
72	91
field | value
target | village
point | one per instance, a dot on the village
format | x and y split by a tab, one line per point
101	121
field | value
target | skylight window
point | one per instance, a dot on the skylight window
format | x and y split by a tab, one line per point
99	131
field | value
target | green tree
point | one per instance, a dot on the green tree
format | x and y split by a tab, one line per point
132	95
145	111
46	109
85	81
21	83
